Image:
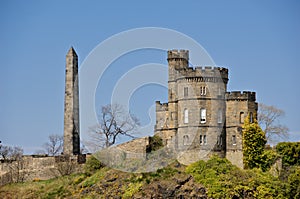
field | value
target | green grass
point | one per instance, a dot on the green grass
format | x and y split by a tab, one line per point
220	178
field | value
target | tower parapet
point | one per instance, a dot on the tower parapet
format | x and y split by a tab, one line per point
240	96
207	71
178	54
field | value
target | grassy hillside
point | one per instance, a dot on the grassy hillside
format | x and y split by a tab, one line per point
217	178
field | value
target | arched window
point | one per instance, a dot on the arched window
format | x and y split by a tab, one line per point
220	116
186	116
185	140
202	115
202	139
242	117
202	90
233	139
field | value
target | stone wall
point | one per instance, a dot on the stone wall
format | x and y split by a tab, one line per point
30	168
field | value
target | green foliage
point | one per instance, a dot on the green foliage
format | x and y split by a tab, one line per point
294	182
60	192
268	158
92	165
254	140
155	143
96	177
290	152
131	189
78	179
225	180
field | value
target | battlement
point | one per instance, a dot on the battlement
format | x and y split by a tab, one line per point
178	54
210	69
241	96
204	72
161	106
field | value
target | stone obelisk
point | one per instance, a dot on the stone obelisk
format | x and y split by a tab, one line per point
71	113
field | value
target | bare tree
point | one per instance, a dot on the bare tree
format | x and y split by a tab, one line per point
9	153
54	146
13	156
113	122
269	120
4	152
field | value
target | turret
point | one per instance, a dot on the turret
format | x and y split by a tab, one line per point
177	60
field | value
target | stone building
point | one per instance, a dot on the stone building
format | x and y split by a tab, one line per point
201	117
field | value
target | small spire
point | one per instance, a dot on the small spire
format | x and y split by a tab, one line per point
72	52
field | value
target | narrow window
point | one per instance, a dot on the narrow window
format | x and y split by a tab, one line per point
204	139
201	139
219	142
242	117
219	116
202	116
251	117
185	92
234	139
170	94
186	116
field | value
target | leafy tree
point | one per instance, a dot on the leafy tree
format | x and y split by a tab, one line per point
290	152
113	122
269	120
254	140
268	158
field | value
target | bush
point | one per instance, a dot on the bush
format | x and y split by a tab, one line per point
224	180
290	152
92	165
155	143
294	183
268	158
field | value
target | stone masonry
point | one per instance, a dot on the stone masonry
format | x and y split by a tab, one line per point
71	113
201	118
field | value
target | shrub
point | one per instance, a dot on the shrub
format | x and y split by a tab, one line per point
92	165
294	183
254	140
131	189
290	152
268	158
224	180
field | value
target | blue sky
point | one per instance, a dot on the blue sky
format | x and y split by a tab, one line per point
257	40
